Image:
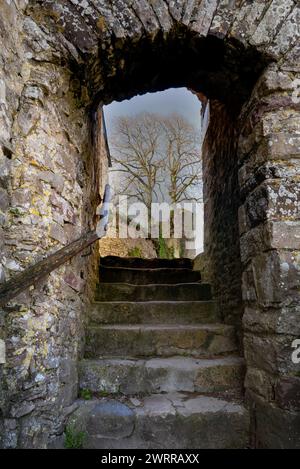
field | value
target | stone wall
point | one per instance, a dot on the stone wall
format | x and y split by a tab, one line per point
59	60
258	175
48	197
221	202
269	217
114	246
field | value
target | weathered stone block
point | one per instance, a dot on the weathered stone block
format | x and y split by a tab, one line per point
282	320
154	312
160	375
276	277
273	200
107	419
275	428
28	118
283	146
271	353
272	19
33	92
2	274
57	233
253	174
248	285
9	438
260	382
68	370
74	281
285	235
162	13
270	235
55	180
223	17
243	227
272	81
160	340
21	198
202	18
22	409
5	173
202	422
247	18
288	34
292	62
287	393
2	352
64	207
4	200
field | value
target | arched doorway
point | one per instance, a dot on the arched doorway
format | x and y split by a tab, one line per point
95	53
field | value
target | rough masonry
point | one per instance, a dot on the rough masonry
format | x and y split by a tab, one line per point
60	60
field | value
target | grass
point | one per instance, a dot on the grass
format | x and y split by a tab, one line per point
86	394
74	439
135	252
164	251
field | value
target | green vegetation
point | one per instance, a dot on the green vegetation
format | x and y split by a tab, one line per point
163	250
135	252
86	394
15	211
74	439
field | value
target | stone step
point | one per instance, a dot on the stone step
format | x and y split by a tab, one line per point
166	340
158	375
168	421
148	276
154	292
153	312
137	262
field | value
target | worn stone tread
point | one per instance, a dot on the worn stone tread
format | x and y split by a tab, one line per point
153	292
217	328
156	375
143	276
172	420
170	312
137	262
139	340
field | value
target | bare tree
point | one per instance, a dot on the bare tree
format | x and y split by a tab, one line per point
158	158
137	153
182	159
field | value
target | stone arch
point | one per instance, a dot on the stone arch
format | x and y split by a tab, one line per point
77	54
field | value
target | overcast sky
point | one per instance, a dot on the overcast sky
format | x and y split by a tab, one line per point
178	100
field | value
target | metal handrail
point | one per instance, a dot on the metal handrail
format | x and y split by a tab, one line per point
31	275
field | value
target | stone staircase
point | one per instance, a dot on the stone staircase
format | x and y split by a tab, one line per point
160	369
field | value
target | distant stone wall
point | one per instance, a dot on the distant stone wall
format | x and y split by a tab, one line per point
125	247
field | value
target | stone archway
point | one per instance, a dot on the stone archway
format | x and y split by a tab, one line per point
75	55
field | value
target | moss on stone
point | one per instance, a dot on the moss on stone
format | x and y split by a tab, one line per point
74	439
